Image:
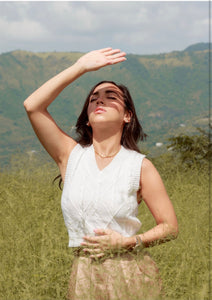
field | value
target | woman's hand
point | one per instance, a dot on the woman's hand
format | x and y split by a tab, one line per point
104	241
97	59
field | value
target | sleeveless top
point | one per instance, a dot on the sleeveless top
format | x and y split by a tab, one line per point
107	198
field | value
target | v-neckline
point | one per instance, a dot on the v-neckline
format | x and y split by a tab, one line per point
108	166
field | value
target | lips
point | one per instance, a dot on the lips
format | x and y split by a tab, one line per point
99	110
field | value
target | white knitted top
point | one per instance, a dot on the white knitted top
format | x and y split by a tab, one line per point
101	199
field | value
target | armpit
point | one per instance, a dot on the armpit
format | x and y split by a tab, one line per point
139	197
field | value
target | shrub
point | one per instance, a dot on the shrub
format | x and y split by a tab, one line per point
195	149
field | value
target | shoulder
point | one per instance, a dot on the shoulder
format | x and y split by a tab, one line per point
132	162
147	165
149	173
73	159
133	159
77	151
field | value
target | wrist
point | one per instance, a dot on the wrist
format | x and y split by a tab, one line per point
139	242
80	68
130	242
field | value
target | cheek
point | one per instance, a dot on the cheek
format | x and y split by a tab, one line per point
119	108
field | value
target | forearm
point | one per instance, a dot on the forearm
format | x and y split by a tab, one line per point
109	239
92	61
45	95
159	234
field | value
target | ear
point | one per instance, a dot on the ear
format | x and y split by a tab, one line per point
127	117
88	124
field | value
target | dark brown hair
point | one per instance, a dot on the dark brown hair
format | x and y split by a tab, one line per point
132	131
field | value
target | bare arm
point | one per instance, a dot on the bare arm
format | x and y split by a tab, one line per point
155	196
56	142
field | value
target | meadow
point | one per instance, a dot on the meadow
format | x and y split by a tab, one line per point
36	260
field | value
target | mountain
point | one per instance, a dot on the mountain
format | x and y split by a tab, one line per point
170	91
198	47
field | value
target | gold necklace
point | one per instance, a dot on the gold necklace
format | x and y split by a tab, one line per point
105	156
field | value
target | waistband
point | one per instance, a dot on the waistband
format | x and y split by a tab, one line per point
78	251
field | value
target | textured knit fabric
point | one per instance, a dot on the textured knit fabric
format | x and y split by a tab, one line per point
107	198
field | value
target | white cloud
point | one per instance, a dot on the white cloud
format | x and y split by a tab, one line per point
25	29
136	27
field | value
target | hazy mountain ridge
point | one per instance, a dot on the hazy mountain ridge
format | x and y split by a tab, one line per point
168	89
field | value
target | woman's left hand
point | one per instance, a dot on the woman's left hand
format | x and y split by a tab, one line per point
104	241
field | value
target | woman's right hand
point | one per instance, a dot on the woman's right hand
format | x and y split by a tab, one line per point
97	59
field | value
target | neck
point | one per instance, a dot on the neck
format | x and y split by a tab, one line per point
103	155
107	146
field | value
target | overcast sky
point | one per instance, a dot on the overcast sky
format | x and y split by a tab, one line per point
138	27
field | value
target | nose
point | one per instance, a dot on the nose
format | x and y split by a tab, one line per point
99	101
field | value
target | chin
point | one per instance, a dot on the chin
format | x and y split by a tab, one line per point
108	124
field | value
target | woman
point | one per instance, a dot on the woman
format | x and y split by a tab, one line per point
104	176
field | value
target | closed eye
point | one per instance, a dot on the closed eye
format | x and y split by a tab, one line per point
113	98
108	97
93	99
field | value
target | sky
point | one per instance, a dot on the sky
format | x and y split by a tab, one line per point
137	27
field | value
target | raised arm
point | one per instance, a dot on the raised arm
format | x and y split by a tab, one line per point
56	142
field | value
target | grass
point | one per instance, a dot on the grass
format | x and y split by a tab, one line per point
184	263
35	259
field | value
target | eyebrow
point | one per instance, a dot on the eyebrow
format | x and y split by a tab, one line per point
106	92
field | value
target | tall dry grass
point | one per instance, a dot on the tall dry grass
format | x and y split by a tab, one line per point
35	259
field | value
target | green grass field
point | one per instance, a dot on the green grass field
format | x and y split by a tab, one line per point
35	258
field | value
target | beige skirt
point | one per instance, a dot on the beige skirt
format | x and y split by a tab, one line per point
129	276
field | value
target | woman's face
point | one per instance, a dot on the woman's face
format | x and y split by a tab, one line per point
106	106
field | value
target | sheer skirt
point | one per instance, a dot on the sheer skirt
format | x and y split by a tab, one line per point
127	276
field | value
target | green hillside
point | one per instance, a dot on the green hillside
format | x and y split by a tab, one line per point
170	91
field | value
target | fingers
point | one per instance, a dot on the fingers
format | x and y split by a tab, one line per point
94	242
97	59
112	51
94	253
100	231
97	255
91	245
91	239
99	237
105	49
117	60
118	55
104	238
113	55
92	250
109	51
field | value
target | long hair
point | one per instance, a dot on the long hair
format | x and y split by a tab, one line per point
132	131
